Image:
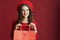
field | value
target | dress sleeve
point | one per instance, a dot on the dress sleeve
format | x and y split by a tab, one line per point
37	30
12	29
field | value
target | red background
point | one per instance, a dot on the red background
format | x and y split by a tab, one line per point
46	13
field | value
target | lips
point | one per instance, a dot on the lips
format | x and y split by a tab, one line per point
25	14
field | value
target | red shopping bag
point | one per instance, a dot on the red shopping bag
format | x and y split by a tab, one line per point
24	35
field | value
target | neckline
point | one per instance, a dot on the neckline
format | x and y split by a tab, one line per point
24	23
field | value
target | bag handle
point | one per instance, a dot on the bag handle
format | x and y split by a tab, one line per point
26	25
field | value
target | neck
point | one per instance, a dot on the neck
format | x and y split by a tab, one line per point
25	20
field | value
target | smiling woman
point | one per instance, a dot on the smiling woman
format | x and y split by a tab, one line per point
25	19
24	12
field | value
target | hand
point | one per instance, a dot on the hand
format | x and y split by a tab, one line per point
18	26
32	25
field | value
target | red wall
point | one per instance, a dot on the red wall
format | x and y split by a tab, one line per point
46	13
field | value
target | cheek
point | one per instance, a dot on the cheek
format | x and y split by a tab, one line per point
22	12
28	13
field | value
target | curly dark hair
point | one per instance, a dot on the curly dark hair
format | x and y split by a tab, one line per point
20	17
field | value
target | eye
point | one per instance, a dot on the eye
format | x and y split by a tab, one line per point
27	10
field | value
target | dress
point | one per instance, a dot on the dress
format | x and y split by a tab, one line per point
25	27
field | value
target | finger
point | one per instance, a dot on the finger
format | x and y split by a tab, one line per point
31	26
19	25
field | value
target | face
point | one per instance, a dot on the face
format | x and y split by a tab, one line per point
25	11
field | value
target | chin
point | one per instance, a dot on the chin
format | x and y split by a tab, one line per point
25	16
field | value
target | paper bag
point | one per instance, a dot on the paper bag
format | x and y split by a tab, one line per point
24	35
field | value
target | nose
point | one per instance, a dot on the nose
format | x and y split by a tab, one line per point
24	12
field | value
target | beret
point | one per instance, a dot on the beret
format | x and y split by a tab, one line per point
27	2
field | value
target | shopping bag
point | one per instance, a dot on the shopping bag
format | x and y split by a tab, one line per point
24	35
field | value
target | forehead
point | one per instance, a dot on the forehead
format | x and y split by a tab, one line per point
25	7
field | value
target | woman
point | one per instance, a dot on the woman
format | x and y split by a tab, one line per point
25	16
25	19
